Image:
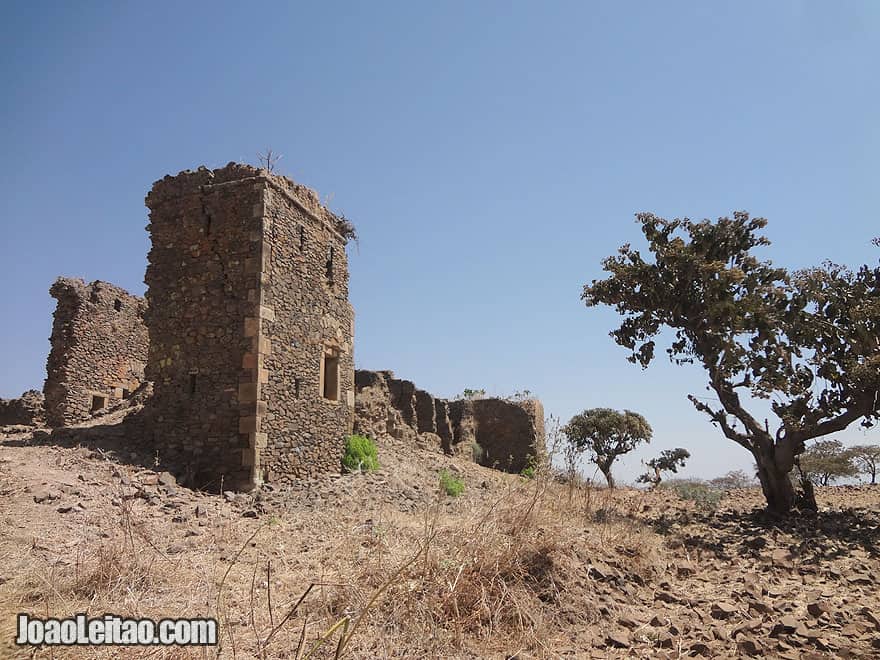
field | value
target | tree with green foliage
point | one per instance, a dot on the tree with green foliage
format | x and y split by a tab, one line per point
826	461
606	434
867	460
669	460
808	341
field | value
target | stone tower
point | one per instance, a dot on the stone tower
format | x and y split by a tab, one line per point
251	331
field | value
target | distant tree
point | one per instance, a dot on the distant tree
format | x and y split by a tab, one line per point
731	480
867	460
827	461
669	460
471	394
808	339
607	434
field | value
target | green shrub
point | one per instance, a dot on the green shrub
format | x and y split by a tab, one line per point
530	469
703	495
477	452
360	454
450	484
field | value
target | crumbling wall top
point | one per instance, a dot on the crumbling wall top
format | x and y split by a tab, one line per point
74	289
189	182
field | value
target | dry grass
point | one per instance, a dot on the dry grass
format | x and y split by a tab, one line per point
482	579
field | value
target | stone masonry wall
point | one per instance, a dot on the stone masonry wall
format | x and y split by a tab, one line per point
245	312
26	410
99	349
307	289
509	433
202	274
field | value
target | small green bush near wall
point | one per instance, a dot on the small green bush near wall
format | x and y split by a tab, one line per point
450	484
530	469
360	454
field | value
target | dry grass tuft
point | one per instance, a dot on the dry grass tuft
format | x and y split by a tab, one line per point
464	579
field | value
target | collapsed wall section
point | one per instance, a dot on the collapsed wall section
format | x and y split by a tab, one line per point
499	433
99	349
26	410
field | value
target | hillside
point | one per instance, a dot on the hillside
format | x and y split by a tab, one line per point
511	568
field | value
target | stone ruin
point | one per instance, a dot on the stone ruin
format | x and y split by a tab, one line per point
99	349
498	433
26	410
251	332
239	364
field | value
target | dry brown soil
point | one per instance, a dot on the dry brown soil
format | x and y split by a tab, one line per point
511	568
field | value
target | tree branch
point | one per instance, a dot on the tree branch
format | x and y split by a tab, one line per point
720	418
731	403
833	425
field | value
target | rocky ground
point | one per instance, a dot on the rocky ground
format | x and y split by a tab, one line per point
511	568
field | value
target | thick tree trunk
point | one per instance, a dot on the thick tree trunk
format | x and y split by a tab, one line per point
776	484
606	470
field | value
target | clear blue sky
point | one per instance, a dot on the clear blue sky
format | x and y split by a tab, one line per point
489	153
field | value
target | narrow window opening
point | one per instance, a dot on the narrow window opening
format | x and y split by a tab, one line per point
192	383
208	225
297	383
117	305
331	377
330	264
302	238
98	402
125	393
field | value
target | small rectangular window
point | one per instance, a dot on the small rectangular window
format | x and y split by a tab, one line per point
330	264
297	383
125	393
117	305
302	238
330	373
98	402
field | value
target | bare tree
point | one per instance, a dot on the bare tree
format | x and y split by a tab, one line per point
269	159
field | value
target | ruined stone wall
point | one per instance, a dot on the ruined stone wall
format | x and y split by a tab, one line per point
312	324
203	277
99	349
26	410
245	314
510	433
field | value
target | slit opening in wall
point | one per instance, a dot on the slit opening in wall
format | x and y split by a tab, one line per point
117	305
297	383
98	402
302	238
330	264
192	383
125	393
207	225
330	376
